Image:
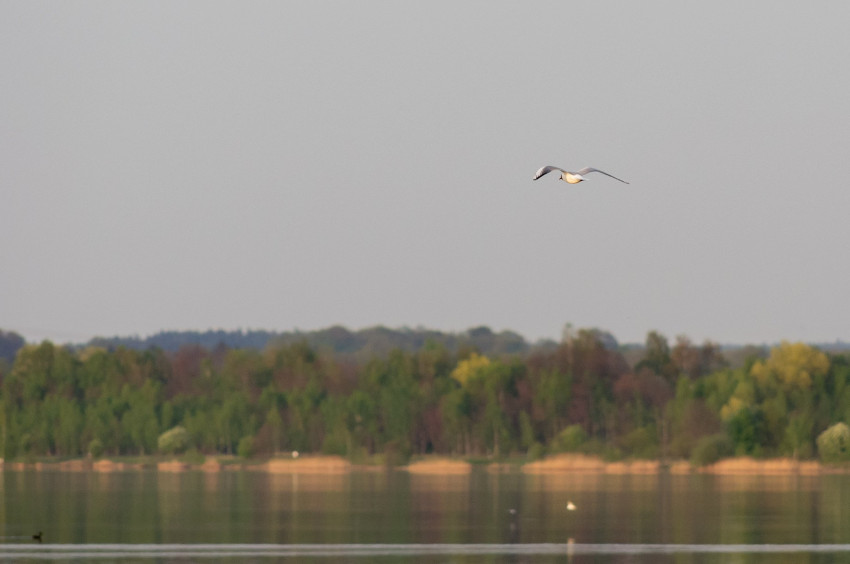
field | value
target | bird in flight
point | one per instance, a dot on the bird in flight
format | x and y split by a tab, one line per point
573	177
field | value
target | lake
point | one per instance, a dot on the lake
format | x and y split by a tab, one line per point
394	516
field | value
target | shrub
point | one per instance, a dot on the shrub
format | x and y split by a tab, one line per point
96	448
640	443
359	455
25	445
681	446
336	442
535	452
570	439
397	453
834	443
710	449
173	441
192	456
245	448
606	451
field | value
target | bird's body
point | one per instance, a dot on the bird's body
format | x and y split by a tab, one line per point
573	177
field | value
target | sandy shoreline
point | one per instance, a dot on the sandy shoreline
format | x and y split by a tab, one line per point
741	466
559	464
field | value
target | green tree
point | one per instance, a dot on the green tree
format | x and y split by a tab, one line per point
362	423
526	431
746	429
798	435
139	422
68	429
657	357
553	397
102	420
274	422
456	409
245	449
233	421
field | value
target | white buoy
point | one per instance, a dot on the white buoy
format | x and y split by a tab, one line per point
571	506
294	454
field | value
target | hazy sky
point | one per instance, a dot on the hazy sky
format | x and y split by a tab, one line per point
281	165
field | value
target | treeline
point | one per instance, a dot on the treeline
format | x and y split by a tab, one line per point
679	401
10	344
337	339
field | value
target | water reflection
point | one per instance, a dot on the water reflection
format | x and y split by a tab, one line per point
415	552
397	508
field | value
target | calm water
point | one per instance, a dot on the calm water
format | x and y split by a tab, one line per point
397	517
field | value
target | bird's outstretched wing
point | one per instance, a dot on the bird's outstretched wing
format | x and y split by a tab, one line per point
587	169
546	170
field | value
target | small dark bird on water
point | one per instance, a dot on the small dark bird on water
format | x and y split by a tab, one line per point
37	536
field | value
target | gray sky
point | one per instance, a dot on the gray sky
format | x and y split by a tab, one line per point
281	165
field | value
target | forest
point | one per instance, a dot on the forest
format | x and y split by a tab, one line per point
342	341
585	394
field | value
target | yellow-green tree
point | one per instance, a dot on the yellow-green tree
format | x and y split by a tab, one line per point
834	443
792	366
470	368
785	387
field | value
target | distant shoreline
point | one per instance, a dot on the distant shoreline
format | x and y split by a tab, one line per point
566	464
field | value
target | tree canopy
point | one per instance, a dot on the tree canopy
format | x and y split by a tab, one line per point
488	400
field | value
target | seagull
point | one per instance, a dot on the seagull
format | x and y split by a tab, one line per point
573	177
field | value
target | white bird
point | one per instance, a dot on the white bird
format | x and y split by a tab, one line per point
570	505
573	177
